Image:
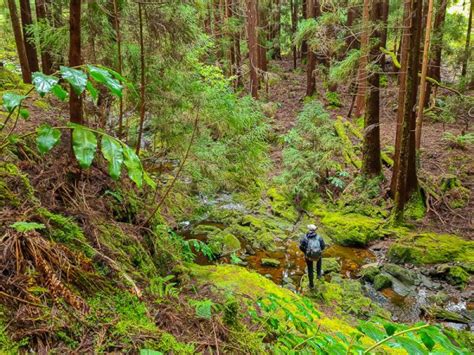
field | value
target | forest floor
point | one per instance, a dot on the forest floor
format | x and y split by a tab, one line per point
438	160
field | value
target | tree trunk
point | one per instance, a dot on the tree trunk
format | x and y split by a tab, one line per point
27	20
20	45
75	101
371	162
142	79
362	73
251	7
351	40
312	11
119	59
467	50
294	24
383	36
42	15
261	29
276	26
404	179
304	44
424	72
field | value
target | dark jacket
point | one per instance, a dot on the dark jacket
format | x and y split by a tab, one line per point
304	241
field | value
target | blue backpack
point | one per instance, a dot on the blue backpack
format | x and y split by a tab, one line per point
313	249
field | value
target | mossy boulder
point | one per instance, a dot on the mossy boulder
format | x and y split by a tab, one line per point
224	243
431	248
405	275
369	273
382	281
331	265
352	229
457	276
270	262
281	206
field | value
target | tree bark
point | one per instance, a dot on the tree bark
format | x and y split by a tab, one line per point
371	162
276	29
424	73
119	59
351	40
404	178
467	50
261	29
20	45
251	8
362	73
384	32
42	15
304	44
312	11
294	24
75	101
142	79
27	20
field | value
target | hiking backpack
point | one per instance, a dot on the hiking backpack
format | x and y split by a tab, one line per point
313	250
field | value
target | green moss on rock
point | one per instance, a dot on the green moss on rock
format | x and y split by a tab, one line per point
382	281
281	206
369	273
431	248
457	276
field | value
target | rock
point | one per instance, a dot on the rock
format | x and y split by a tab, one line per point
270	262
290	287
438	298
457	276
431	248
224	243
330	265
382	281
281	205
369	273
401	288
429	283
468	266
268	276
249	249
443	314
409	277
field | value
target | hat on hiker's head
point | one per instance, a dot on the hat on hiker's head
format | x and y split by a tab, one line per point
312	227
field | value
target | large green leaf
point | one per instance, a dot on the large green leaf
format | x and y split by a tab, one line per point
44	83
11	101
59	92
113	153
92	90
84	144
134	166
372	331
102	76
77	78
411	346
47	138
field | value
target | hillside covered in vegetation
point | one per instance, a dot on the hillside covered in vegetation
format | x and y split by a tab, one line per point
160	162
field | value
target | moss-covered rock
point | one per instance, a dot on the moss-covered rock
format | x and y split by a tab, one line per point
431	248
270	262
457	276
224	243
331	265
352	229
405	275
281	205
369	273
382	281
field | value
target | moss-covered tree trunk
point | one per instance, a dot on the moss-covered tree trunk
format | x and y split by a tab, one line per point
362	73
313	11
20	45
371	162
251	8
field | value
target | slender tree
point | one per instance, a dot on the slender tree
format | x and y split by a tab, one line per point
424	73
26	21
20	45
371	162
261	30
251	8
467	48
312	11
404	179
142	79
42	14
119	58
294	24
362	73
75	101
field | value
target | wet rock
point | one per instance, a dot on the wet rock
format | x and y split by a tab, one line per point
409	277
290	287
331	265
382	281
249	250
438	298
429	283
224	243
368	273
401	288
457	276
444	314
268	276
270	262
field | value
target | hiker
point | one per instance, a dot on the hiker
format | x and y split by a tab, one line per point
312	245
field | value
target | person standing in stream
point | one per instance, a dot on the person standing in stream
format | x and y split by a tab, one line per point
312	245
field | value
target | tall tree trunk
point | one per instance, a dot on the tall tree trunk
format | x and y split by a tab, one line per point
351	40
276	26
312	11
251	7
404	179
383	36
362	73
142	79
75	101
262	26
119	59
294	24
424	72
42	15
231	36
371	162
467	50
27	20
20	45
304	44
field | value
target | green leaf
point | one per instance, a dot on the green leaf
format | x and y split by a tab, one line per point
102	76
77	78
410	345
427	340
134	166
390	328
24	113
84	144
59	92
92	90
113	153
47	138
11	101
44	83
23	227
203	308
371	330
150	352
148	180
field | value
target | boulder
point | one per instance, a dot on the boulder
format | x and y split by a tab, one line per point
369	273
457	276
270	262
331	265
382	281
409	277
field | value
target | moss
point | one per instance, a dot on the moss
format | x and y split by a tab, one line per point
281	206
7	345
415	208
41	104
382	281
369	273
348	149
431	248
270	262
168	344
352	229
15	187
457	276
405	275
